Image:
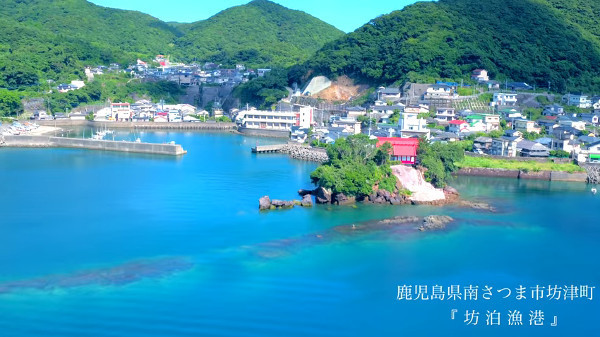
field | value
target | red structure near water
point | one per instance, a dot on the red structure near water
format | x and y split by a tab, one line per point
404	150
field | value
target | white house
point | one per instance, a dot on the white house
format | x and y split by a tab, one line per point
445	114
504	99
440	91
411	125
480	75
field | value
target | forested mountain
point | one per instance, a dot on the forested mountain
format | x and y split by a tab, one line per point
256	34
52	39
536	41
55	39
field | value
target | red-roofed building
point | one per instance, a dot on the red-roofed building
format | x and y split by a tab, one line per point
403	149
457	126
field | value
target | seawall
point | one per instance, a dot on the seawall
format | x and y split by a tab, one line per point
139	125
92	144
540	175
264	133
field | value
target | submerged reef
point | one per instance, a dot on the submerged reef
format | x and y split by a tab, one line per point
123	274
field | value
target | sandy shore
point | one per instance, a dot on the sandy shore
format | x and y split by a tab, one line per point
44	130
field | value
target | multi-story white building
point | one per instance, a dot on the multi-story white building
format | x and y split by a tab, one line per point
504	99
121	112
445	114
411	125
276	120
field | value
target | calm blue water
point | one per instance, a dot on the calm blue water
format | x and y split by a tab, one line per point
110	244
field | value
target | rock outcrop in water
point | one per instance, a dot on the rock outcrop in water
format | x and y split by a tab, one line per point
397	226
265	203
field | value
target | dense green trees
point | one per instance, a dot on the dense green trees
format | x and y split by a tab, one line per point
257	34
115	89
264	92
56	39
10	103
355	166
536	41
439	159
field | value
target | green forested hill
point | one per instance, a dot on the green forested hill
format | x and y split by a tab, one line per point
55	39
42	39
256	34
536	41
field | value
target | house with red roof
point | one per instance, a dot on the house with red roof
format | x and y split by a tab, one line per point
403	149
458	126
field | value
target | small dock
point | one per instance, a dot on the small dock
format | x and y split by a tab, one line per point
268	148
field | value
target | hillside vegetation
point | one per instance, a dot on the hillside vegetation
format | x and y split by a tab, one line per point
256	34
56	39
536	41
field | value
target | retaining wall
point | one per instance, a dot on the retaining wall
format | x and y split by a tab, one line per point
264	133
540	175
539	160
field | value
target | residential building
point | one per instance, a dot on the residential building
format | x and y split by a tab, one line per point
483	144
505	146
572	122
527	148
267	120
121	112
458	126
440	91
591	118
492	122
594	153
445	114
404	150
411	125
480	75
351	125
388	94
553	110
578	100
524	125
504	99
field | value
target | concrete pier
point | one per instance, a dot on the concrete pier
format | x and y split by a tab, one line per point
93	144
268	148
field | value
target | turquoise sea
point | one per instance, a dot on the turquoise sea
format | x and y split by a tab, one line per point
113	244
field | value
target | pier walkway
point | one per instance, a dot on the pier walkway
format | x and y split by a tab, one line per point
268	148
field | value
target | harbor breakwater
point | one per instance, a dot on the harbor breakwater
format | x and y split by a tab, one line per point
295	151
519	174
140	125
92	144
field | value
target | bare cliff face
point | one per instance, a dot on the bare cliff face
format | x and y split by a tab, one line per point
413	180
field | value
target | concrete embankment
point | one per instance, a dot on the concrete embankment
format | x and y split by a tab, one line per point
139	125
540	175
92	144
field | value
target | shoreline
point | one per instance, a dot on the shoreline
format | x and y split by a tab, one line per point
140	125
526	175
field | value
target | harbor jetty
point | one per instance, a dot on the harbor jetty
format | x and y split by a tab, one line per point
295	151
200	126
92	144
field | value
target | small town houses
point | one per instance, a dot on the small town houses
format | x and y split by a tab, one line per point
145	111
